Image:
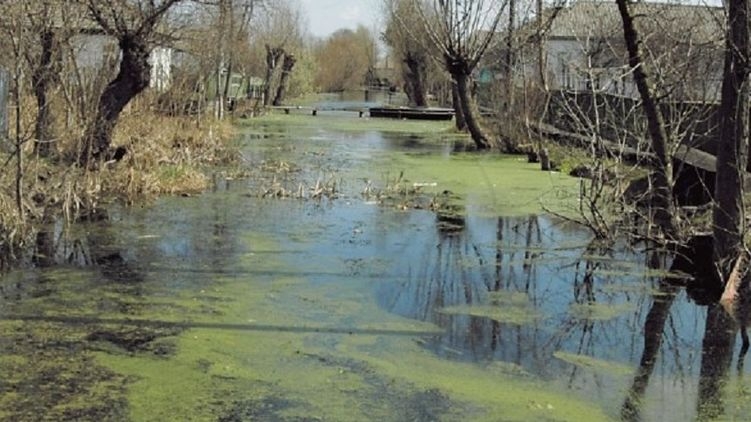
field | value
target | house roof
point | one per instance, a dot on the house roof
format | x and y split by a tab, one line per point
685	23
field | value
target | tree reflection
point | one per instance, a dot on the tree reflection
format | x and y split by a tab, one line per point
91	243
654	327
718	344
597	313
461	270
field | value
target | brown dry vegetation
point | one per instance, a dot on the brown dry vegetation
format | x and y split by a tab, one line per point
166	155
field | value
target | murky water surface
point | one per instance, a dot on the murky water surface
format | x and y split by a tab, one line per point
327	287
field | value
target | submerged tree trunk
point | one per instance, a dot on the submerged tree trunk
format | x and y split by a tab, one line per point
132	78
287	65
469	110
728	224
43	79
663	207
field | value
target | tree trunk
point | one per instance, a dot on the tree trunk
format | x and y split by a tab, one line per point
470	112
459	120
226	23
663	209
272	57
287	65
541	51
510	59
733	139
415	76
132	78
42	80
4	91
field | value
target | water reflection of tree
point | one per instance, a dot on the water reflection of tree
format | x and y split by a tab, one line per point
595	303
654	327
717	346
93	242
460	270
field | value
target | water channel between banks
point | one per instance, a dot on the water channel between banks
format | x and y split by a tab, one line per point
324	288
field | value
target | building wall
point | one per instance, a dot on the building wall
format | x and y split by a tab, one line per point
93	52
161	68
693	77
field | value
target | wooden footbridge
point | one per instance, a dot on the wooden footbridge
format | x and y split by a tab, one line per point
314	110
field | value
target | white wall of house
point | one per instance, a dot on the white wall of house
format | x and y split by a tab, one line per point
92	52
570	67
161	68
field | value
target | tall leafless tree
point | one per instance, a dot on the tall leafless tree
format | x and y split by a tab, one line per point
411	54
663	206
43	21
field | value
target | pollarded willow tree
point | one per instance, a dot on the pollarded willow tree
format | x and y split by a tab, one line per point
280	30
134	25
411	53
460	32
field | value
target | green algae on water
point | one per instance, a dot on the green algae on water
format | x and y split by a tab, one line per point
599	311
353	124
597	365
505	314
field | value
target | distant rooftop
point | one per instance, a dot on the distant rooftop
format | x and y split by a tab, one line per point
695	23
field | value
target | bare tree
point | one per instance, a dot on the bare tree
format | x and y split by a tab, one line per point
663	180
134	26
42	18
414	59
233	22
344	59
460	32
280	32
287	65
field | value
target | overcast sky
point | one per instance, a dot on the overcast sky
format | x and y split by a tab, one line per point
326	16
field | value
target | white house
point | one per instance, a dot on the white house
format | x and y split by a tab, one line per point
682	44
93	52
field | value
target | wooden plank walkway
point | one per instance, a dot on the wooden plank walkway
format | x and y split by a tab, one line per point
313	111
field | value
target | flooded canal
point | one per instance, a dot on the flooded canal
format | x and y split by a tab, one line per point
365	270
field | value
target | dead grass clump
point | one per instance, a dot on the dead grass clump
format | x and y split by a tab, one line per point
166	156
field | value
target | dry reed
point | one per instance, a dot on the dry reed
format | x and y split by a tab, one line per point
165	155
